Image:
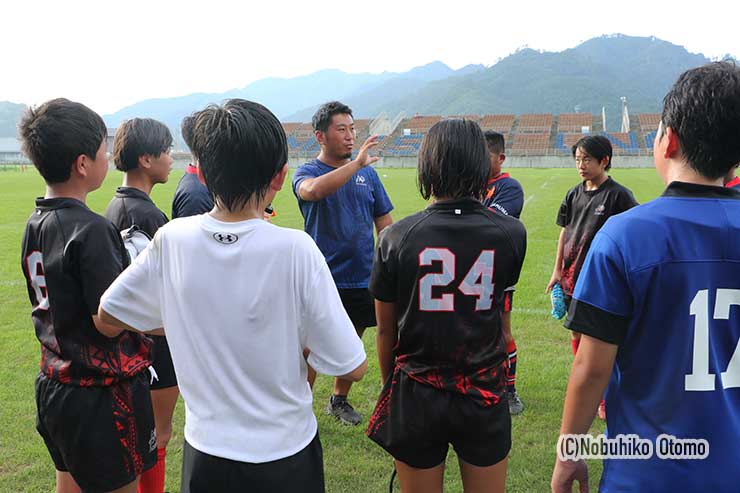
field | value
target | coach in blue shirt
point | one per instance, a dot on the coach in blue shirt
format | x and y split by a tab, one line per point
656	302
340	200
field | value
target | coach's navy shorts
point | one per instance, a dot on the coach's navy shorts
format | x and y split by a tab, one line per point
103	436
360	306
415	423
302	472
162	364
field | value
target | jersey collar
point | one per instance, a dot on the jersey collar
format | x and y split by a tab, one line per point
191	170
733	183
58	203
694	190
132	193
499	177
463	203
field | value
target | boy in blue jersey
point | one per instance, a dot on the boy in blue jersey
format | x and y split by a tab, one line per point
654	304
341	199
191	196
505	195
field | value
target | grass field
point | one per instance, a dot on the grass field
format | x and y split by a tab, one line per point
352	462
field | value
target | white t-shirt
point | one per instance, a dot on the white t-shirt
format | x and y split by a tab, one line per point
239	302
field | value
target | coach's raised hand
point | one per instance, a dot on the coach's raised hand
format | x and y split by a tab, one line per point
363	156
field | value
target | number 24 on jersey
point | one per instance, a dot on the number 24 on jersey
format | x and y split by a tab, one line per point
477	282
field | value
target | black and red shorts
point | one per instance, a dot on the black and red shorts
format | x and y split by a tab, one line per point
103	436
162	364
415	423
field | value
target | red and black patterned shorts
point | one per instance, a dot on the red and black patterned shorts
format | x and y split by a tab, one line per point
103	436
415	423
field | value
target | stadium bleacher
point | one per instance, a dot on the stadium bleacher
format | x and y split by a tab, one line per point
574	122
531	142
528	134
536	123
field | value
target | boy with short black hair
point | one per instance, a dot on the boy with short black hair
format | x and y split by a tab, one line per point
240	314
141	149
504	194
92	394
657	304
438	301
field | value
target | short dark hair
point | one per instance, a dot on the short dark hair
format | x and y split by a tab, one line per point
186	130
703	109
241	146
495	141
56	133
139	137
322	118
453	160
596	146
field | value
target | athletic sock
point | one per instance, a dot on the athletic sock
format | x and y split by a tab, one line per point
574	345
152	480
511	370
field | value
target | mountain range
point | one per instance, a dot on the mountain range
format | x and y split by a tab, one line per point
592	75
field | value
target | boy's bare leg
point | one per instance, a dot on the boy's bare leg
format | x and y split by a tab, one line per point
490	479
66	483
415	480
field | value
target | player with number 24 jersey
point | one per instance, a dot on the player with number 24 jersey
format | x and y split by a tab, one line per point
447	267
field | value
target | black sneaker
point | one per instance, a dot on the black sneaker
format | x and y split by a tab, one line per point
341	409
516	406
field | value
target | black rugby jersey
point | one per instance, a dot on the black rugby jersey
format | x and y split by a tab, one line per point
582	214
70	256
131	206
446	269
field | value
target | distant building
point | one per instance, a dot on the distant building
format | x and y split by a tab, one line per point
10	151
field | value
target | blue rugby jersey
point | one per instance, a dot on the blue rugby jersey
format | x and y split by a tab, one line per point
505	194
342	223
662	281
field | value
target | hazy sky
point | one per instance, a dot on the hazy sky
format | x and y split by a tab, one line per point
111	54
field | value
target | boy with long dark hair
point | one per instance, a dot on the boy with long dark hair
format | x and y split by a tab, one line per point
438	279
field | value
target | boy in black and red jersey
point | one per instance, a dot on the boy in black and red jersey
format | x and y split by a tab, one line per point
504	194
438	279
584	210
141	149
92	394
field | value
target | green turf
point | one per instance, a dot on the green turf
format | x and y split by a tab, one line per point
352	462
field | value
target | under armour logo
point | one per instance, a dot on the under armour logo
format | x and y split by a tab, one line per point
225	238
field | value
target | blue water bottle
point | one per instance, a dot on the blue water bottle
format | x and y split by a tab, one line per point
558	302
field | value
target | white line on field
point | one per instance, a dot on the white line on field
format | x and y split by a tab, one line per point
12	283
532	311
528	199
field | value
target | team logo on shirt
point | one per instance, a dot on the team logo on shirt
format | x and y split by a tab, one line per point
360	180
600	210
225	238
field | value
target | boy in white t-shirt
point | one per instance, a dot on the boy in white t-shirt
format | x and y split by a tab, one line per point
241	299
